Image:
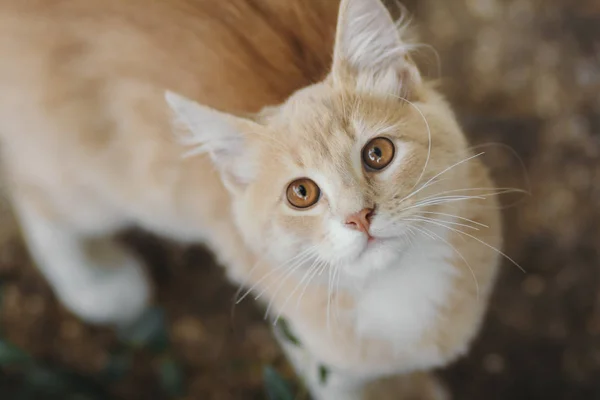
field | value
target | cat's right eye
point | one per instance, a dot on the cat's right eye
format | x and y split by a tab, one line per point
378	153
303	193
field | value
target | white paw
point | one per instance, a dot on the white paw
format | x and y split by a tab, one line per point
117	294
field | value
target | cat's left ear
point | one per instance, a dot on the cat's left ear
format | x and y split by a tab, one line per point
369	49
223	136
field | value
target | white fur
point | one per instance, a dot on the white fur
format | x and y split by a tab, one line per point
217	134
210	129
367	36
402	303
369	41
338	386
102	283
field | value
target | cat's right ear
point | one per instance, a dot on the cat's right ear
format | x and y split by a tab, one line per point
370	51
223	136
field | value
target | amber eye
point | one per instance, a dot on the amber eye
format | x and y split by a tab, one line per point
378	153
303	193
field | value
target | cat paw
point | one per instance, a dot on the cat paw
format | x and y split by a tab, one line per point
115	294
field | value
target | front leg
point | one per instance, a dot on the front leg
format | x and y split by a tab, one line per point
323	382
97	279
329	383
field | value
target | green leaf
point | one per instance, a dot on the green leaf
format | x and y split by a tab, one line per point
171	377
323	374
285	330
117	367
150	330
11	355
275	386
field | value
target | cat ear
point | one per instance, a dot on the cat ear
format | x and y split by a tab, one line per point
223	136
368	45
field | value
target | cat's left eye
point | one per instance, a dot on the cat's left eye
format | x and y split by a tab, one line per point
378	153
303	193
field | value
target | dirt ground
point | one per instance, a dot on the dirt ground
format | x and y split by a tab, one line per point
524	75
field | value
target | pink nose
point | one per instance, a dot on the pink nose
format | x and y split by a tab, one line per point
360	221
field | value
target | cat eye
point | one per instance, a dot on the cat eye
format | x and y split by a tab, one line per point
303	193
378	153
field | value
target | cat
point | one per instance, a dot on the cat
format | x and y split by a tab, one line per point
339	189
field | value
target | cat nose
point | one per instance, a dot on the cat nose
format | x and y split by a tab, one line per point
360	221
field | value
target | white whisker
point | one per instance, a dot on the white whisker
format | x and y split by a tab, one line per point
279	287
329	294
482	242
445	222
337	277
454	216
429	182
300	257
491	191
314	267
428	139
442	200
323	264
425	230
283	279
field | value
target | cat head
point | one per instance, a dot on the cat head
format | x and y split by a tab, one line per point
332	176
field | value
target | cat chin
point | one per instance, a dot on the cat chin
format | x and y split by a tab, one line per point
378	255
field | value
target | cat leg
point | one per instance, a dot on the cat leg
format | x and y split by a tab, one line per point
97	279
326	383
322	382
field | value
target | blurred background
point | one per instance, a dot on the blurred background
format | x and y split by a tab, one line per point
524	77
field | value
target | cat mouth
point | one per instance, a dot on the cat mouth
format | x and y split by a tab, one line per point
372	242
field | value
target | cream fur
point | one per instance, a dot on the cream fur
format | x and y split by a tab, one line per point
94	126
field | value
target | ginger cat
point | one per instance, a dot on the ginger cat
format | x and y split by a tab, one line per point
340	191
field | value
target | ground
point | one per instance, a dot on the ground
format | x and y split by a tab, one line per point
524	77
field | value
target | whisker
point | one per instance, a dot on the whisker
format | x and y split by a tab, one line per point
443	200
283	279
242	285
514	153
445	222
428	138
410	236
314	266
300	257
455	197
322	267
319	267
337	277
455	216
329	294
492	191
429	182
279	287
458	253
333	302
482	242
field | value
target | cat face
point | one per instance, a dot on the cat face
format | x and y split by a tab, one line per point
332	176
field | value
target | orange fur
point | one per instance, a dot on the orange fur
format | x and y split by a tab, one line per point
87	148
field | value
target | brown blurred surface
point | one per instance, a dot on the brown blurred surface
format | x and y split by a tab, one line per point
525	73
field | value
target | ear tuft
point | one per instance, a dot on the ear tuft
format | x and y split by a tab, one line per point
367	36
368	42
209	130
223	136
